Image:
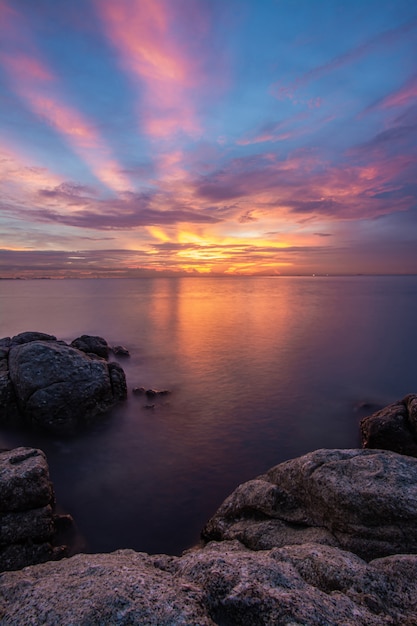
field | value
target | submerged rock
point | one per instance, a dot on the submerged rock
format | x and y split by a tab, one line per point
393	427
120	351
27	521
56	387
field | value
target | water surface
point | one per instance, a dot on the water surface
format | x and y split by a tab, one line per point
260	369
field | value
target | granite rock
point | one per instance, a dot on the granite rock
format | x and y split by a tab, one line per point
53	386
27	520
223	583
364	501
392	428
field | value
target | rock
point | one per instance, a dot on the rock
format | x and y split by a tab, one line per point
305	585
91	344
152	393
27	520
223	584
393	427
120	351
29	336
9	411
364	501
119	588
344	496
53	386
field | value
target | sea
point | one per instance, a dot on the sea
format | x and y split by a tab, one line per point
259	369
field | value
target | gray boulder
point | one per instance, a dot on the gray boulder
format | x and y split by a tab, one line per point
224	584
289	575
55	386
392	428
364	501
92	344
27	521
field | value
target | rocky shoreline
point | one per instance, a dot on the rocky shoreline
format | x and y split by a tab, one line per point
326	539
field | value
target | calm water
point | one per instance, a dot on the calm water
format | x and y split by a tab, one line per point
261	370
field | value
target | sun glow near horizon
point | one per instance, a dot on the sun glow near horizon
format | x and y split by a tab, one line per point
161	138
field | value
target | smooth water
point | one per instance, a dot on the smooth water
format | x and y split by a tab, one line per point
260	369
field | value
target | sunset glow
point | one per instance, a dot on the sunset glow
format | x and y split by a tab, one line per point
159	137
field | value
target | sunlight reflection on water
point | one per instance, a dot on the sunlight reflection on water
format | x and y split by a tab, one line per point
260	369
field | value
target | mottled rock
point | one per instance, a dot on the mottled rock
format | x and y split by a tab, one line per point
31	335
299	508
24	480
223	584
119	588
27	521
364	501
120	351
92	344
392	428
54	386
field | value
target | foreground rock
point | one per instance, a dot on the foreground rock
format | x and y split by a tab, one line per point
393	427
364	501
27	521
54	386
287	573
225	584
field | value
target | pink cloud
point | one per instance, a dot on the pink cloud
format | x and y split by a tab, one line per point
371	181
150	50
27	76
404	96
35	83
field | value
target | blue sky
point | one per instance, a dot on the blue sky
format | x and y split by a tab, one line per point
159	137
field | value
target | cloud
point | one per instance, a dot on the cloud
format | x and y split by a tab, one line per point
118	214
77	263
406	95
360	184
33	81
150	49
379	41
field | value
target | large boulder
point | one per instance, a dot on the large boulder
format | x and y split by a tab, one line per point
353	495
364	501
55	386
224	584
392	428
27	521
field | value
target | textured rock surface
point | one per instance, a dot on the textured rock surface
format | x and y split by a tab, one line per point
120	588
393	427
92	344
364	501
55	386
27	521
291	577
225	584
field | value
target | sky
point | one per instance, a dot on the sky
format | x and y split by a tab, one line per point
206	137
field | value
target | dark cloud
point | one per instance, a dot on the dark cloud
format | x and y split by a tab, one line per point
247	218
129	210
